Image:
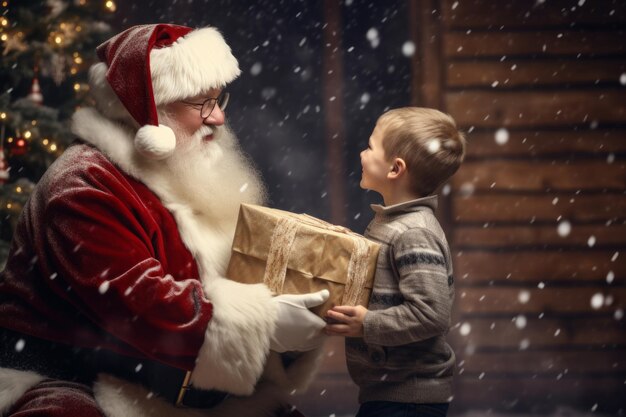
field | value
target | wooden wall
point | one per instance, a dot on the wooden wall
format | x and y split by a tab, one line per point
536	215
537	212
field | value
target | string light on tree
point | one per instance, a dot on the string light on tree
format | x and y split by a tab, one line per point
58	38
18	146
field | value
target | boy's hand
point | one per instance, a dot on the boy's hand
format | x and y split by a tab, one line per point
346	321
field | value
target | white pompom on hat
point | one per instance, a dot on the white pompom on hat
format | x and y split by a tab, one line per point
150	65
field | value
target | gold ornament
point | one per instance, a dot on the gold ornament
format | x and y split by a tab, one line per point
14	43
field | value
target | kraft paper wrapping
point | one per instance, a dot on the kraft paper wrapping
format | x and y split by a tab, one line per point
297	254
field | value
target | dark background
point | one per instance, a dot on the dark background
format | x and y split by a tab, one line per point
277	105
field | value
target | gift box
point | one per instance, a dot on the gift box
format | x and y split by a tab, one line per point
298	254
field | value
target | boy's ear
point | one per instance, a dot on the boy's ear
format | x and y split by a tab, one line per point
397	169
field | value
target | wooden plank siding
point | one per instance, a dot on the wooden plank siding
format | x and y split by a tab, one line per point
537	212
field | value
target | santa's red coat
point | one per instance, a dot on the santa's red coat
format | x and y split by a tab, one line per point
104	256
97	261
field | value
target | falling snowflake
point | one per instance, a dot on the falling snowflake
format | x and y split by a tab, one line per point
610	277
467	189
19	346
268	93
524	344
610	158
523	297
622	79
520	321
408	49
502	136
373	37
104	287
564	228
433	145
591	241
597	300
256	69
465	329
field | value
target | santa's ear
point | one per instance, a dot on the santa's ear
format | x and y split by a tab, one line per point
397	169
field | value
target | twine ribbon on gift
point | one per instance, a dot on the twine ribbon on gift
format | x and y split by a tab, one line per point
281	243
280	247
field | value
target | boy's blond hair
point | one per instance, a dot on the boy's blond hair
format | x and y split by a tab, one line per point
429	143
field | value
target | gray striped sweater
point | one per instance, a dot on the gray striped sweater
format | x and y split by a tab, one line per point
403	356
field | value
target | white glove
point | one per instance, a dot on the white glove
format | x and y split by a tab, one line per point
297	328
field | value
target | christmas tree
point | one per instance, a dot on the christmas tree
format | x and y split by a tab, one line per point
47	47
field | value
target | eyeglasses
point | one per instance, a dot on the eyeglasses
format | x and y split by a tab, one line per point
208	105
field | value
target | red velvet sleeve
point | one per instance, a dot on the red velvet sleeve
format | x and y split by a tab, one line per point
120	261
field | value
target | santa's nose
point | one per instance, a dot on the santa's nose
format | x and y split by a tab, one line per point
216	118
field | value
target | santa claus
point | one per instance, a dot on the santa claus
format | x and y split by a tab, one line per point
113	301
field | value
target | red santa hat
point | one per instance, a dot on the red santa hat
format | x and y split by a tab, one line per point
150	65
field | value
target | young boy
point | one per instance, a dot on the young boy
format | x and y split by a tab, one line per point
396	351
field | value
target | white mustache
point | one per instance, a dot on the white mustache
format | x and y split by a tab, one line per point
204	131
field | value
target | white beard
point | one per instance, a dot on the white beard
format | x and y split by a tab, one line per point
203	184
211	177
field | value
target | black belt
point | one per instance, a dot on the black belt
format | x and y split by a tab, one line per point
59	361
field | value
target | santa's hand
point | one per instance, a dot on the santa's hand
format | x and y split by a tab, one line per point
297	328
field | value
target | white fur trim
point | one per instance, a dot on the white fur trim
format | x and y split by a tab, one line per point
115	140
118	398
155	142
13	384
192	65
238	334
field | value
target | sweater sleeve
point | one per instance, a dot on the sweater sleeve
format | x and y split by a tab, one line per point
420	261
